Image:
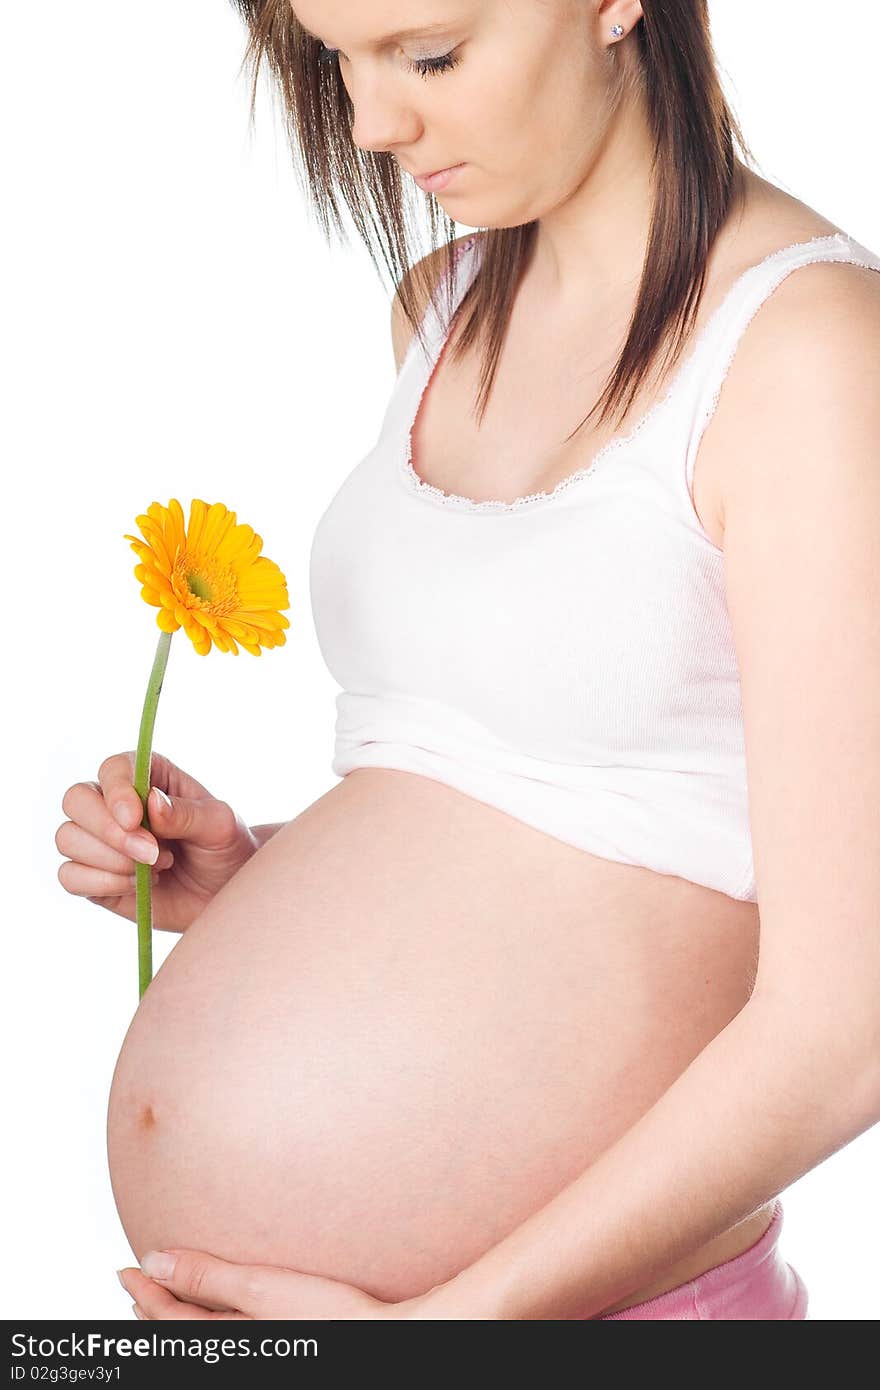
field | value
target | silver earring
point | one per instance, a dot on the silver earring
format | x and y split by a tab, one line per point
617	30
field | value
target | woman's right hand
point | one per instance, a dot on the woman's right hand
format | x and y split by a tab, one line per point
201	841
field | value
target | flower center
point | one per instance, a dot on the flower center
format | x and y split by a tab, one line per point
198	586
203	582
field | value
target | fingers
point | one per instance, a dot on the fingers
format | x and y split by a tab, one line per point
116	779
158	1303
102	855
207	822
84	803
116	784
86	882
77	843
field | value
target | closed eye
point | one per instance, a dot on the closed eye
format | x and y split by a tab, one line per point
424	66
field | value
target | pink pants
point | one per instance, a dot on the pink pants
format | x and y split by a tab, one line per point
757	1285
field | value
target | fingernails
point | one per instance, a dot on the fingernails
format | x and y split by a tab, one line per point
121	1280
137	1312
158	1265
143	850
163	802
123	811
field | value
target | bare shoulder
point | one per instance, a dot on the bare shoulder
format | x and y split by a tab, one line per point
808	353
825	286
422	278
823	314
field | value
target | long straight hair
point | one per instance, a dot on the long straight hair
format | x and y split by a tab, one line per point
694	135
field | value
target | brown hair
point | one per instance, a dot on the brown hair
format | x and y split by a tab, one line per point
695	166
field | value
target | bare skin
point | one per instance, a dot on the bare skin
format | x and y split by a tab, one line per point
402	1026
409	1019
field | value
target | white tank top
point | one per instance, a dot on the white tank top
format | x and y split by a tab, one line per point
567	657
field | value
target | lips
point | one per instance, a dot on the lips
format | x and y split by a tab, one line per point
432	172
439	179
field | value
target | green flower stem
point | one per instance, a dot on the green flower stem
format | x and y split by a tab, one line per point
143	872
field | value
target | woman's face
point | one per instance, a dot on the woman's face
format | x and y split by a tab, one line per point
521	95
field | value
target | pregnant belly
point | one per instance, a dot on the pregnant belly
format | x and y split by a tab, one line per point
404	1025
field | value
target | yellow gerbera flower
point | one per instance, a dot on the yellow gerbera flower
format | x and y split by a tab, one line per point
209	578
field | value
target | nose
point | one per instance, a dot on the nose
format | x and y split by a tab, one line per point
382	120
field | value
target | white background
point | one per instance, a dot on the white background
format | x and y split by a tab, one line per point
174	325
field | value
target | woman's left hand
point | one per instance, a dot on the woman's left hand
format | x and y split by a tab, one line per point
203	1287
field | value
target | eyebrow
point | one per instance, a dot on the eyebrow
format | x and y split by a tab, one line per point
422	30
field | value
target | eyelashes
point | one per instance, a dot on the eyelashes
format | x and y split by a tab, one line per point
425	67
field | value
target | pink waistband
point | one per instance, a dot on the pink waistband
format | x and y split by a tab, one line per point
756	1284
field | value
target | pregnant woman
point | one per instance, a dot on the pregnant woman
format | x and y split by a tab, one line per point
536	1012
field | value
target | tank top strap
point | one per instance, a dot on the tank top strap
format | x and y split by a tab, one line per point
419	359
706	369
